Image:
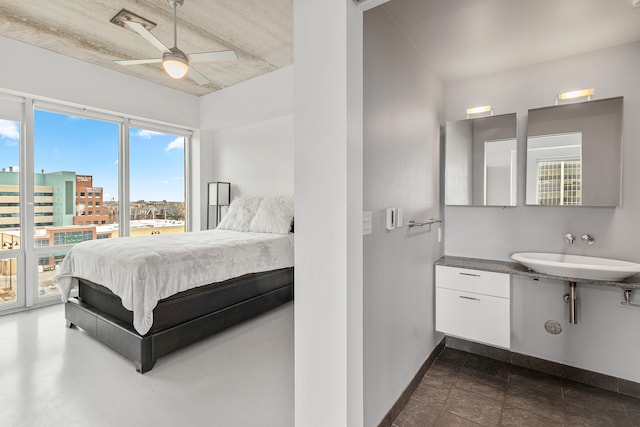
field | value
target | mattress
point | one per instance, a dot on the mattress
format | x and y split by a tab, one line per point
143	270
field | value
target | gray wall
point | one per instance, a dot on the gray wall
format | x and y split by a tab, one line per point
496	233
402	113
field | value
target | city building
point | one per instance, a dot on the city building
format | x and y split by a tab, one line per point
53	199
90	207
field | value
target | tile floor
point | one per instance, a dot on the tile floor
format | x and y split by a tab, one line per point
463	389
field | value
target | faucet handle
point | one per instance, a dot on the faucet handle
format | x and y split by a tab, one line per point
569	238
588	239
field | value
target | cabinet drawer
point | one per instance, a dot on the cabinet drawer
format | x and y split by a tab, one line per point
476	281
476	317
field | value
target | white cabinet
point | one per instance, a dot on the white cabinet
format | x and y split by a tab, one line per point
474	304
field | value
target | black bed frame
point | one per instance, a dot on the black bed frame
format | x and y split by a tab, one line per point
179	320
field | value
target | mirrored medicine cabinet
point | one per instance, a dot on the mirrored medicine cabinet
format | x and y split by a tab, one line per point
574	154
481	159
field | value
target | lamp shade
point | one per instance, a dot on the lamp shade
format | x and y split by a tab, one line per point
175	63
219	193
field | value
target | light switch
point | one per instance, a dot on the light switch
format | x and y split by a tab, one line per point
367	223
399	217
391	219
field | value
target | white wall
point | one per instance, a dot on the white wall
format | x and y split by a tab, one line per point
36	71
402	115
496	233
256	158
328	204
247	136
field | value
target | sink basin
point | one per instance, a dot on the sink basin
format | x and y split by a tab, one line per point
580	267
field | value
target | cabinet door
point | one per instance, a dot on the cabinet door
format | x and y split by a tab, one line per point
476	281
473	316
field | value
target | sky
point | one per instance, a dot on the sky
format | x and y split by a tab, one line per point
90	147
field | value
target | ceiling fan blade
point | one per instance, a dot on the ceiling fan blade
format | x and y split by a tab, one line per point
219	56
140	29
138	61
197	77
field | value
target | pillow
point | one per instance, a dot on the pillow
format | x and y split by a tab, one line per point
273	216
241	211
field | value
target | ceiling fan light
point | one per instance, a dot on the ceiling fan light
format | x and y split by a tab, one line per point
175	63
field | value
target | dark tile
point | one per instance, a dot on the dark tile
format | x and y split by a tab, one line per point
472	407
458	344
590	398
633	409
444	372
432	392
489	367
417	414
535	364
533	380
595	379
513	416
632	404
546	405
629	388
453	356
579	417
481	384
491	352
447	419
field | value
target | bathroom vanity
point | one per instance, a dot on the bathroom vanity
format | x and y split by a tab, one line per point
474	304
473	296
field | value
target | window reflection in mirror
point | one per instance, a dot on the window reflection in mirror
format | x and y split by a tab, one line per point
557	162
574	154
481	162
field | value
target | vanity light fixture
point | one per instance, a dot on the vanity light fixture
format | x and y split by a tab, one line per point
479	110
575	94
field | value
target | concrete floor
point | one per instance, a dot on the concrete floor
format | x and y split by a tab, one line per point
54	376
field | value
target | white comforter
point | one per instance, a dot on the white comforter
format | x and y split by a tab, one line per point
144	270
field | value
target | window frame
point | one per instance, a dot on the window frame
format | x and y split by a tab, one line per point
28	254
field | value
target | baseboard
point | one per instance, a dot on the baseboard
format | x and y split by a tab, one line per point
595	379
401	402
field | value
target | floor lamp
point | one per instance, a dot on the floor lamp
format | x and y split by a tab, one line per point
219	194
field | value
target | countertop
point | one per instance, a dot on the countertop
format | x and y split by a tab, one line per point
515	268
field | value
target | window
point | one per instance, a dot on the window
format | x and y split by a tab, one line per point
65	178
560	182
71	237
157	179
11	279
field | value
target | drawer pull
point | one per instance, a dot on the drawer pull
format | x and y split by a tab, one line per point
471	298
469	274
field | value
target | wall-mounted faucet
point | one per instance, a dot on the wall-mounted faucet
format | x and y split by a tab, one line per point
569	238
588	239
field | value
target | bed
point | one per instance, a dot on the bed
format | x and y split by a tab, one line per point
148	296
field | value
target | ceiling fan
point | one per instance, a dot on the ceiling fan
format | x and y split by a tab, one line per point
174	61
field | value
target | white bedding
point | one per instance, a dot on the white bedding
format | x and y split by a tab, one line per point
144	270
